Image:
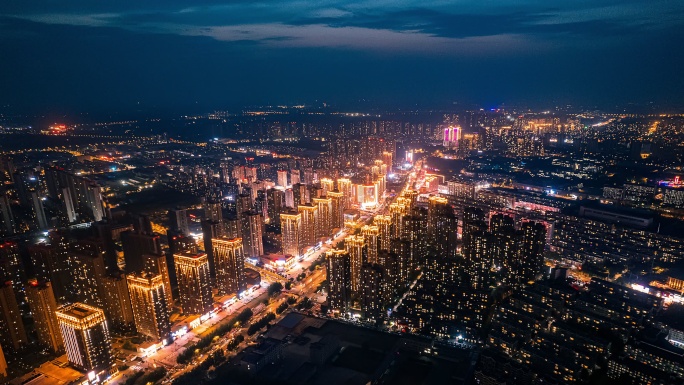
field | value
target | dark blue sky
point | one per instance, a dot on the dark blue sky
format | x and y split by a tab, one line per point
171	55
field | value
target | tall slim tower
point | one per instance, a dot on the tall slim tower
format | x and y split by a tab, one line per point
192	271
86	337
327	185
356	247
290	226
339	275
276	205
309	221
12	332
370	235
150	309
371	293
384	223
252	224
336	209
43	307
397	213
282	178
157	265
531	250
442	227
324	224
344	185
229	260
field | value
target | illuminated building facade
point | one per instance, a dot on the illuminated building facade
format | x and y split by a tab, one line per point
309	215
336	209
194	282
338	271
229	260
371	291
384	225
451	136
86	337
344	185
149	303
370	235
252	234
356	247
290	226
324	223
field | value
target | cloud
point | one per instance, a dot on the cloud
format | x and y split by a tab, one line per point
429	26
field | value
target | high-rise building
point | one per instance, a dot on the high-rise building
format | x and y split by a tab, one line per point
356	247
229	260
531	250
7	225
344	185
117	302
397	213
276	205
12	332
339	276
213	211
442	227
282	178
371	291
309	216
39	211
88	269
80	195
43	307
178	221
194	282
384	225
336	209
51	263
478	253
290	226
327	185
149	302
135	246
391	275
370	235
252	234
300	194
324	223
11	268
243	204
86	337
294	176
211	230
157	264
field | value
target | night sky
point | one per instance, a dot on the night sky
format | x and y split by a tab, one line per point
178	56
